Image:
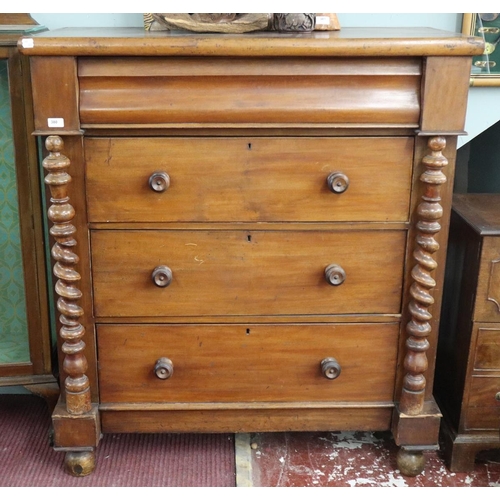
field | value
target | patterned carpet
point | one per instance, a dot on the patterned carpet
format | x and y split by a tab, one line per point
175	460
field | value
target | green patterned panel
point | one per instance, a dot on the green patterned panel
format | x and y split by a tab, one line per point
14	347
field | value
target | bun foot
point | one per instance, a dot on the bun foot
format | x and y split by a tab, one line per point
79	463
410	462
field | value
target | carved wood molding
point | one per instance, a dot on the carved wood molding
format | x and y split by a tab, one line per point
61	213
241	23
419	328
494	283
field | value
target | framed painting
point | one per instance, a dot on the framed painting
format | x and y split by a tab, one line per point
486	67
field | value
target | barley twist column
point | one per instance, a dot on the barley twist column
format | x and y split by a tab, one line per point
429	213
61	213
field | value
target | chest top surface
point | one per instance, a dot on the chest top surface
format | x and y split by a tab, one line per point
347	42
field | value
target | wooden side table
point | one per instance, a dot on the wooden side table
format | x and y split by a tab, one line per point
467	384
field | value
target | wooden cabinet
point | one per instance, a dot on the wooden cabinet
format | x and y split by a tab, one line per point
468	362
247	228
25	333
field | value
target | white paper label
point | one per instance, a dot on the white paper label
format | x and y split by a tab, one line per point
28	43
55	122
322	20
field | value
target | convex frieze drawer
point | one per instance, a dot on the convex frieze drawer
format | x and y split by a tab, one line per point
276	90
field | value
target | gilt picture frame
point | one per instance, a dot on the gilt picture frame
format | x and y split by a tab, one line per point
485	70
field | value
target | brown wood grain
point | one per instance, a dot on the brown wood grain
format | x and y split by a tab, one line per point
16	19
366	42
435	116
247	128
454	366
417	191
249	273
468	366
62	101
483	422
248	179
484	390
488	349
248	420
301	98
487	306
246	362
480	210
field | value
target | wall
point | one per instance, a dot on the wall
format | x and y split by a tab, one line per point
484	103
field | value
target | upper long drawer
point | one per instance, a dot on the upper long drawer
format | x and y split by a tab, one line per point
248	179
211	90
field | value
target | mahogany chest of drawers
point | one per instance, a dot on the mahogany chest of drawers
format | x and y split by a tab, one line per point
249	241
468	361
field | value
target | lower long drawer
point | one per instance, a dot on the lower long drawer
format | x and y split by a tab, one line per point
247	363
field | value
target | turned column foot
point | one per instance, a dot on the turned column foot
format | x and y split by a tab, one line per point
79	463
410	462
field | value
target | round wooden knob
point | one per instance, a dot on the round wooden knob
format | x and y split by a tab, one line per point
159	181
337	182
164	368
334	275
162	276
330	368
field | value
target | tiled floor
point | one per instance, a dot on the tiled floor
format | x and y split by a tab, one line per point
351	459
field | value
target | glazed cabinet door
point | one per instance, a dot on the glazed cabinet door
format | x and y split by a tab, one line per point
25	333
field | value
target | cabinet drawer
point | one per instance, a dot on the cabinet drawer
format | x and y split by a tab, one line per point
244	363
193	91
246	272
484	403
488	349
487	306
251	179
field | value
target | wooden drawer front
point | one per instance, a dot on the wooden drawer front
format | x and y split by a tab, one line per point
488	289
484	403
243	363
488	349
195	91
249	179
240	272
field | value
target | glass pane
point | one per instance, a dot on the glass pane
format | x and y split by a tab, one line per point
14	346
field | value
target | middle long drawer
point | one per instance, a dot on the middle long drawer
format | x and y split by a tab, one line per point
152	273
